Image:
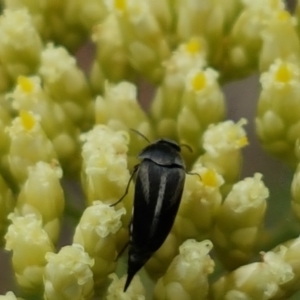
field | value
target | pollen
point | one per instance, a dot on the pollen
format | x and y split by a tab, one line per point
25	84
283	16
283	74
243	141
193	46
27	119
120	5
209	178
199	81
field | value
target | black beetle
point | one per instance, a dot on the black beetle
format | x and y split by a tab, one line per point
158	189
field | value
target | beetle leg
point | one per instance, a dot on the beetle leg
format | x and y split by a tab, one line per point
127	187
191	173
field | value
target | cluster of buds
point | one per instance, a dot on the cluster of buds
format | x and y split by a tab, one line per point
85	86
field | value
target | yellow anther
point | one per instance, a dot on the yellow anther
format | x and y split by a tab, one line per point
25	84
283	74
243	141
193	46
199	82
209	178
28	120
283	16
120	5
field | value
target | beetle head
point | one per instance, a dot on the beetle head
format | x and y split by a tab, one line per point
170	143
163	152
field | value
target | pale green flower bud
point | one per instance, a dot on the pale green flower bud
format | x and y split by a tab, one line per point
146	45
51	20
83	14
297	149
29	243
9	296
222	144
163	11
220	20
68	274
276	29
5	120
29	145
208	19
244	41
29	95
135	291
97	232
64	23
199	205
157	265
259	281
6	106
187	276
7	203
120	110
6	81
59	21
104	173
203	104
167	101
20	44
192	18
66	84
239	221
295	190
36	10
277	121
289	252
111	62
43	196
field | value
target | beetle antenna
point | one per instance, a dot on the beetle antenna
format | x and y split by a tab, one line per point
187	146
140	134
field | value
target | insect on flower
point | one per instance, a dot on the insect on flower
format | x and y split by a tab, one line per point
158	189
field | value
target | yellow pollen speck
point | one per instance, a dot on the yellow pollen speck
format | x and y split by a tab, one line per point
120	4
209	178
283	15
193	46
27	119
243	141
25	84
199	82
283	74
